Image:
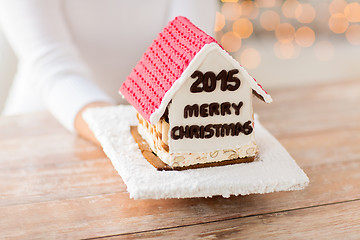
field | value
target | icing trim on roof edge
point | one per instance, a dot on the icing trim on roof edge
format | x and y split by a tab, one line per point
194	64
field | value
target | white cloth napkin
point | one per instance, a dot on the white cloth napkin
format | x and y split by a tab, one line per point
275	170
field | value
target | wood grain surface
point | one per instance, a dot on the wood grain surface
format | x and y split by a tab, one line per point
54	185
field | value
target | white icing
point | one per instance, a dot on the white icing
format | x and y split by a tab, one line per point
194	64
215	62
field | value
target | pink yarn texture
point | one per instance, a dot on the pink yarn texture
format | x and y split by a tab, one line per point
162	64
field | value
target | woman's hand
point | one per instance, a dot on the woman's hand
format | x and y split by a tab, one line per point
81	126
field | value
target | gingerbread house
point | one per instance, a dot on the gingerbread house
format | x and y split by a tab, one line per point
194	101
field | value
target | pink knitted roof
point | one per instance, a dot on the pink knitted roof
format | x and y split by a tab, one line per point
162	64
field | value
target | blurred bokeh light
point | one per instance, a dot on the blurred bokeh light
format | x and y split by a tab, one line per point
285	33
269	20
338	23
231	41
289	7
305	13
250	58
353	34
243	27
281	35
304	37
352	12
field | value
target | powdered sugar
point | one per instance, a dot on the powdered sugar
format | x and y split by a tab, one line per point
275	169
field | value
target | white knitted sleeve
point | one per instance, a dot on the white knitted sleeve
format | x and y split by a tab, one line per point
38	33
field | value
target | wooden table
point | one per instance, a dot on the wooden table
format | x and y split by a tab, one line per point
55	185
